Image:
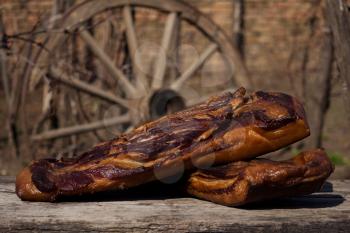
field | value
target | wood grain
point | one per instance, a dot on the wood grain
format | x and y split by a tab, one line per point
328	211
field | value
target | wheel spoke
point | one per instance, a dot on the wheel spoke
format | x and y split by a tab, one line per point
174	52
4	76
194	67
59	76
133	45
79	129
107	62
160	66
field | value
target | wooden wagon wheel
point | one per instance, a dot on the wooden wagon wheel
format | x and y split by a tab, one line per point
138	95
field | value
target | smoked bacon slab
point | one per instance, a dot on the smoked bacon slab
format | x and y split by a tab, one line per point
226	128
242	182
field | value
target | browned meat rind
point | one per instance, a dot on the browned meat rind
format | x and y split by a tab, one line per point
226	128
240	183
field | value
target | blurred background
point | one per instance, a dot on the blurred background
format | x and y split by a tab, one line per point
74	73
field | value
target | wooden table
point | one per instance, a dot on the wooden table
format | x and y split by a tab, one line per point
328	211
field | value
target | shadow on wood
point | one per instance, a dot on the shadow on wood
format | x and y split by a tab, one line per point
153	191
160	191
302	202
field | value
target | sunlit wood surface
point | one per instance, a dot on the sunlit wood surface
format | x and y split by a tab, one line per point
327	211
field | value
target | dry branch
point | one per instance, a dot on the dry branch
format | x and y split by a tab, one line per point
238	26
339	21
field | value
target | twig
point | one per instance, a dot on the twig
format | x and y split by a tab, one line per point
39	44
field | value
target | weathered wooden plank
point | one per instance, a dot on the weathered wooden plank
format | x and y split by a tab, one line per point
321	212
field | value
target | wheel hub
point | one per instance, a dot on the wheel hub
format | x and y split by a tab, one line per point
165	101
